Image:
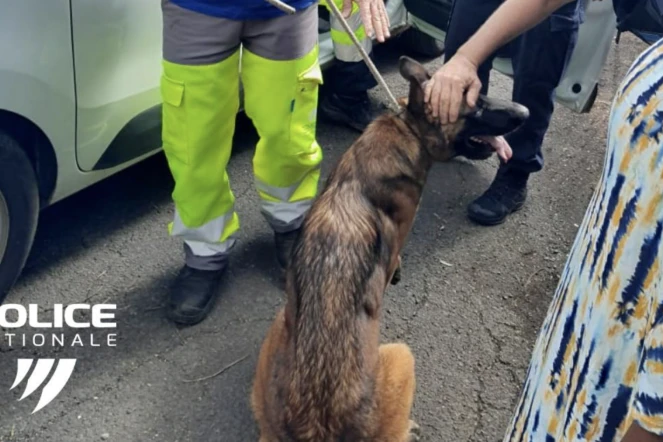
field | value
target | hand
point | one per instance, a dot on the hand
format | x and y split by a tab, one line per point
373	16
445	90
636	433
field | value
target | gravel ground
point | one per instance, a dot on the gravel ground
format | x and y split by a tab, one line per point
470	302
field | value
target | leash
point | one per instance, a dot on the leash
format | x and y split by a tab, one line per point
374	71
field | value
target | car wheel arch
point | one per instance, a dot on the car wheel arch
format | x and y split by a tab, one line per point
31	138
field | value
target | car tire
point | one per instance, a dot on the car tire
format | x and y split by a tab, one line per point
417	42
19	211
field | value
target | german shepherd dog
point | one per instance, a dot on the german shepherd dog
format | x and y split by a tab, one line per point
322	375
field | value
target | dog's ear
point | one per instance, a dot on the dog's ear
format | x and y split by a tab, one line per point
412	70
416	74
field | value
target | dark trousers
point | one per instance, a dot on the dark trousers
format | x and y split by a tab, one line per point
539	59
350	79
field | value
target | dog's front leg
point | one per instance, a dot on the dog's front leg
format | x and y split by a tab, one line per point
396	277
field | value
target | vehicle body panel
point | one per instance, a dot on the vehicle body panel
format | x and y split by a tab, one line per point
36	75
117	55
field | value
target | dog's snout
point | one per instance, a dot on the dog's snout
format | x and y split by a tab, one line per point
518	112
500	114
503	119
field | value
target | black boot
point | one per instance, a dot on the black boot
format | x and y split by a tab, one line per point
506	194
352	111
284	242
193	294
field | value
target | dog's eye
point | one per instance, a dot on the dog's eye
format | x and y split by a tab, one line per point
477	113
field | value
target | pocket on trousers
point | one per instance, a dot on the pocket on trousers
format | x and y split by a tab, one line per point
566	18
305	105
561	22
174	134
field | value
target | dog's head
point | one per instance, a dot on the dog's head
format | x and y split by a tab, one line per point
472	134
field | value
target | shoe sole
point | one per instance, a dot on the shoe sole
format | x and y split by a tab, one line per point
485	222
191	320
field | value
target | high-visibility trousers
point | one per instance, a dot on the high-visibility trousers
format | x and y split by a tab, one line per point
280	74
344	48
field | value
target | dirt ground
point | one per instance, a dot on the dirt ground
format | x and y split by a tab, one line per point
470	302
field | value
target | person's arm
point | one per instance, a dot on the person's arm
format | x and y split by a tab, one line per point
638	434
446	88
511	19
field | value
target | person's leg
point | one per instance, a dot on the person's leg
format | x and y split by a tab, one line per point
349	80
467	16
281	75
200	91
539	60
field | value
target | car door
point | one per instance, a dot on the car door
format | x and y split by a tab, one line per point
117	59
577	89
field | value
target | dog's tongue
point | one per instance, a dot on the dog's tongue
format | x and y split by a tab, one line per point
500	145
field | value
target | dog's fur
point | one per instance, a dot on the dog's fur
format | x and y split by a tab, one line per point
322	375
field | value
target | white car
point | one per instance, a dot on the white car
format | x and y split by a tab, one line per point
80	101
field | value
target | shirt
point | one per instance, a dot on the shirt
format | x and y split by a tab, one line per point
597	364
240	9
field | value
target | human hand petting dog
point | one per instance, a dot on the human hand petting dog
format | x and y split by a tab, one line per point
445	92
459	75
373	15
458	79
446	89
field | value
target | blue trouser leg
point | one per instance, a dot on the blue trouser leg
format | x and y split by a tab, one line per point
539	59
467	16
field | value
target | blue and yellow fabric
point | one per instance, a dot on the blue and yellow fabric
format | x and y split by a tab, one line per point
597	365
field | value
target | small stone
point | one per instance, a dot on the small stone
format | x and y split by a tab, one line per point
105	436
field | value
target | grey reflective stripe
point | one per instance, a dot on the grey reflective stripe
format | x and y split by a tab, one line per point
284	217
200	248
202	256
351	53
345	52
282	193
209	233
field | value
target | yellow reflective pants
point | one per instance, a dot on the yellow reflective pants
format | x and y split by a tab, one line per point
280	75
344	48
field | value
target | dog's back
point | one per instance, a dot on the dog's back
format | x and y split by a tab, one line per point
325	342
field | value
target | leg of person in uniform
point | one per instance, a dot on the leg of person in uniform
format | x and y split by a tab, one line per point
200	91
281	76
349	80
467	16
539	59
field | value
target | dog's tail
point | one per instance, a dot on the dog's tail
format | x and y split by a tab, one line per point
332	267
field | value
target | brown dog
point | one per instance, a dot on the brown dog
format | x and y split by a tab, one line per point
322	375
